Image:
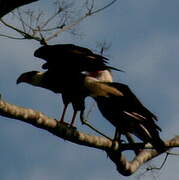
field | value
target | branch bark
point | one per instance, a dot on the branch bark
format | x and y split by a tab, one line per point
113	149
7	6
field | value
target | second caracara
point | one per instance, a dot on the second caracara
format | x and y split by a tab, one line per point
123	109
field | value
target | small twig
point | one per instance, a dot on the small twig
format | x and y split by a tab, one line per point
91	6
161	166
43	40
85	122
49	20
101	9
27	28
68	27
163	163
104	46
24	34
21	20
11	37
173	154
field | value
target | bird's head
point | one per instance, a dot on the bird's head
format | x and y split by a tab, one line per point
27	77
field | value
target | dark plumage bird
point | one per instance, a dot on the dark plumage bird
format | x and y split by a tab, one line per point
65	64
129	115
73	91
50	81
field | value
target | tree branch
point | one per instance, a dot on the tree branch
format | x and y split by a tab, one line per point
127	168
70	26
7	6
113	149
42	121
29	32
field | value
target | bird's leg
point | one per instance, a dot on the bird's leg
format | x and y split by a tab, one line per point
73	118
117	135
63	114
85	122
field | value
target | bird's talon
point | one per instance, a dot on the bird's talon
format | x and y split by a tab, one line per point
64	123
72	127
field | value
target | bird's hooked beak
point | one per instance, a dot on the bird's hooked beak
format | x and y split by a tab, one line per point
20	79
26	77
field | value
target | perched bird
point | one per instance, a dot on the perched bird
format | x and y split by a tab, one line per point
66	63
128	114
72	91
61	85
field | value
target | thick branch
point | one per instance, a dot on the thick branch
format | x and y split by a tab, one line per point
113	149
7	6
39	120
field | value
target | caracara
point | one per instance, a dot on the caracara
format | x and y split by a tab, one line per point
65	64
128	114
72	91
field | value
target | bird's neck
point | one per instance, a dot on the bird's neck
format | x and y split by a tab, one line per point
97	88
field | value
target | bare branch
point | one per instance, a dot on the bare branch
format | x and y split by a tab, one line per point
101	9
74	23
90	6
12	37
62	14
24	34
158	168
173	154
103	45
21	19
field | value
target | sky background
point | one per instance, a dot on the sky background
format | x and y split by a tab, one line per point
144	39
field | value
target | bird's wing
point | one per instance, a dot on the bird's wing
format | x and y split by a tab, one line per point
71	56
132	103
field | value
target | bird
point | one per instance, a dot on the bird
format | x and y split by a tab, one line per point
123	109
73	91
70	61
50	81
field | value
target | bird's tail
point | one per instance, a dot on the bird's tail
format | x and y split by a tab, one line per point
151	135
147	131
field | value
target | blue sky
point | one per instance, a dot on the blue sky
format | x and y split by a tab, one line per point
144	38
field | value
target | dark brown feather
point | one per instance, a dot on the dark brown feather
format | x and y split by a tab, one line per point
128	114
